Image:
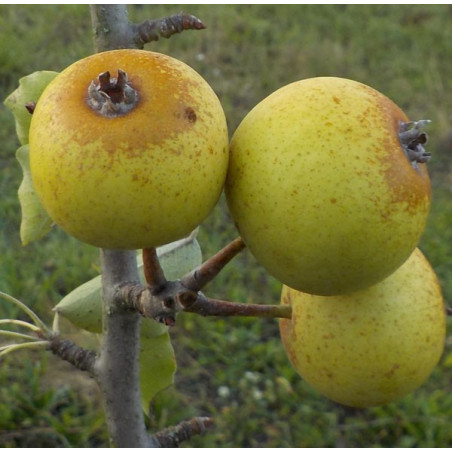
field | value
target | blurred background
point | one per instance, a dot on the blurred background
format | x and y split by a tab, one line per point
232	369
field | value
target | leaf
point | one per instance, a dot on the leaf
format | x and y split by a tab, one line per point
157	362
83	306
35	220
29	90
180	257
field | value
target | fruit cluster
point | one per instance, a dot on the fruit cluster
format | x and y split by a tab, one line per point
325	179
328	187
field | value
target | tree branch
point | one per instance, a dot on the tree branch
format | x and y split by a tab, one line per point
163	299
173	298
113	30
210	307
199	277
153	272
111	27
67	350
117	367
173	436
152	30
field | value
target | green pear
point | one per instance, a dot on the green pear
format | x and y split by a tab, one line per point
373	346
128	149
321	188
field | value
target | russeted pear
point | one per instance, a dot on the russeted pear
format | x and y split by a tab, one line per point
373	346
128	149
327	185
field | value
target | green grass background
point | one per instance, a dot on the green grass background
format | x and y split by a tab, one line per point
232	369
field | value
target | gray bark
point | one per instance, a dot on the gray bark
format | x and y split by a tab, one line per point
111	27
117	368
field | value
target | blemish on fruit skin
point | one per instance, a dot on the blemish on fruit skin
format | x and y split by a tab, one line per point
405	184
328	336
391	371
190	114
158	83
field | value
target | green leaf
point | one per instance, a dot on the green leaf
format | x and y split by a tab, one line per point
29	90
83	306
35	220
180	257
157	362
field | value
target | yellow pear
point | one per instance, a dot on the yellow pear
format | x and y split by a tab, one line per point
327	185
128	149
373	346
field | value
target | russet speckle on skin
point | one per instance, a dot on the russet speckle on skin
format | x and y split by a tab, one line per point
126	172
305	165
378	343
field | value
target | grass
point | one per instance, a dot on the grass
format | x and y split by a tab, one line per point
233	369
37	412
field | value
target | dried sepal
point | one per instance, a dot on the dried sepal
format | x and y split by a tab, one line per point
413	138
112	96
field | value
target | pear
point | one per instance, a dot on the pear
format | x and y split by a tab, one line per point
373	346
328	186
128	149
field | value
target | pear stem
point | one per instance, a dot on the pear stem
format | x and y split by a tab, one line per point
210	307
